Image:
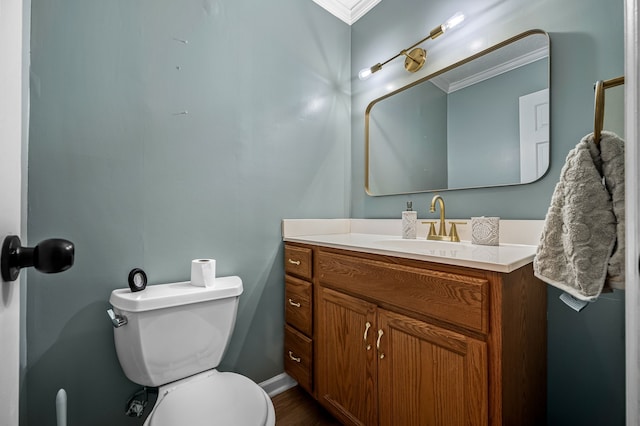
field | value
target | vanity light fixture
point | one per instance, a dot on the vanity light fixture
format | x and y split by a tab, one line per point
415	56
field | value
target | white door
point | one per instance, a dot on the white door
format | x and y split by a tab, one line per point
534	135
632	170
11	135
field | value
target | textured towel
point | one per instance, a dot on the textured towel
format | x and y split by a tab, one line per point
612	155
582	240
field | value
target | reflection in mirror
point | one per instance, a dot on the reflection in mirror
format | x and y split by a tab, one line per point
483	121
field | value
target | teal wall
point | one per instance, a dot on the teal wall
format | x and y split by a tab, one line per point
586	45
116	168
274	129
585	350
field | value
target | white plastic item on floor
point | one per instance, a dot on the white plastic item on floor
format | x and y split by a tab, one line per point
61	408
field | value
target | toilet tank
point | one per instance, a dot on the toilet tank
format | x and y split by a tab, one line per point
174	330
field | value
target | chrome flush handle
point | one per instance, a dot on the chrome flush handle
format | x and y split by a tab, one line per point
117	320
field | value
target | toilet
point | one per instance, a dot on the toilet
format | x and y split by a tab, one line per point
173	336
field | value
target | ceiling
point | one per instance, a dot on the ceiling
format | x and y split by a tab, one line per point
347	10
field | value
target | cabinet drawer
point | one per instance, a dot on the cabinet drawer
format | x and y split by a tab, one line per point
298	363
297	303
297	261
454	298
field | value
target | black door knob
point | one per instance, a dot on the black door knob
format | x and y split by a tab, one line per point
49	256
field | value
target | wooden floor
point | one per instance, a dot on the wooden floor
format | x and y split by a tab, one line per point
295	407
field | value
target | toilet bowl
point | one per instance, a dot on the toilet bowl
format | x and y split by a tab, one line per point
212	398
173	336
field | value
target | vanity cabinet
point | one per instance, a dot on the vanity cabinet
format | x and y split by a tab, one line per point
298	333
406	342
428	375
390	369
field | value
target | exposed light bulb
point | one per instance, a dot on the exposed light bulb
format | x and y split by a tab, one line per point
454	21
364	73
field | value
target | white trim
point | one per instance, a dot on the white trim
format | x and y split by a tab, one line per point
632	136
13	122
348	13
278	384
526	59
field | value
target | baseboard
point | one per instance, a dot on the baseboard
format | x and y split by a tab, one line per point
278	384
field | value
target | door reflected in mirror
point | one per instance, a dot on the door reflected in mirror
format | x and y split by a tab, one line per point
481	122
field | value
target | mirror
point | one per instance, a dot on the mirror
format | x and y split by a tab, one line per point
483	121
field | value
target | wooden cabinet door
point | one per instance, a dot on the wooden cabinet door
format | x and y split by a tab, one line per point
346	360
430	376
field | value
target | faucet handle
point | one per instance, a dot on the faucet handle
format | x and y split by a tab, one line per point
453	232
432	228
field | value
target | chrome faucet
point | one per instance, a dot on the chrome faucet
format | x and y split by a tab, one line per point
442	233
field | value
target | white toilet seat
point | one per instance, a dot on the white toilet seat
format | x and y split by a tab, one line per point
212	398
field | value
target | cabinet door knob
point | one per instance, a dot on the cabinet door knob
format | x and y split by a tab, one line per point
293	358
292	303
294	262
380	333
367	326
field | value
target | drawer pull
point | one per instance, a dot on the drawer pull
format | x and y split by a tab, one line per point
366	331
292	303
293	358
294	262
380	333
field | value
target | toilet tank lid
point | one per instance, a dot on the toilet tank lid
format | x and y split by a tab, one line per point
160	296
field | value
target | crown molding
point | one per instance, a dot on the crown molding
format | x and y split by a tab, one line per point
451	86
348	11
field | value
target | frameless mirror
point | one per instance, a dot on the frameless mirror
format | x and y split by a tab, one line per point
483	121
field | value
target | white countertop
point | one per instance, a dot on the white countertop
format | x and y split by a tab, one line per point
339	233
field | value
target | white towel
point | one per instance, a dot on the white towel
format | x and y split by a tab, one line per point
583	236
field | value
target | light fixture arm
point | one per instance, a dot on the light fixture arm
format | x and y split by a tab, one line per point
416	57
435	33
408	49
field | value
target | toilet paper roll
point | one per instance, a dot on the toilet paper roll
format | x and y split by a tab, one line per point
203	272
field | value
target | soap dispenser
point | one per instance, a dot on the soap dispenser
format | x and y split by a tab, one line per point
409	222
